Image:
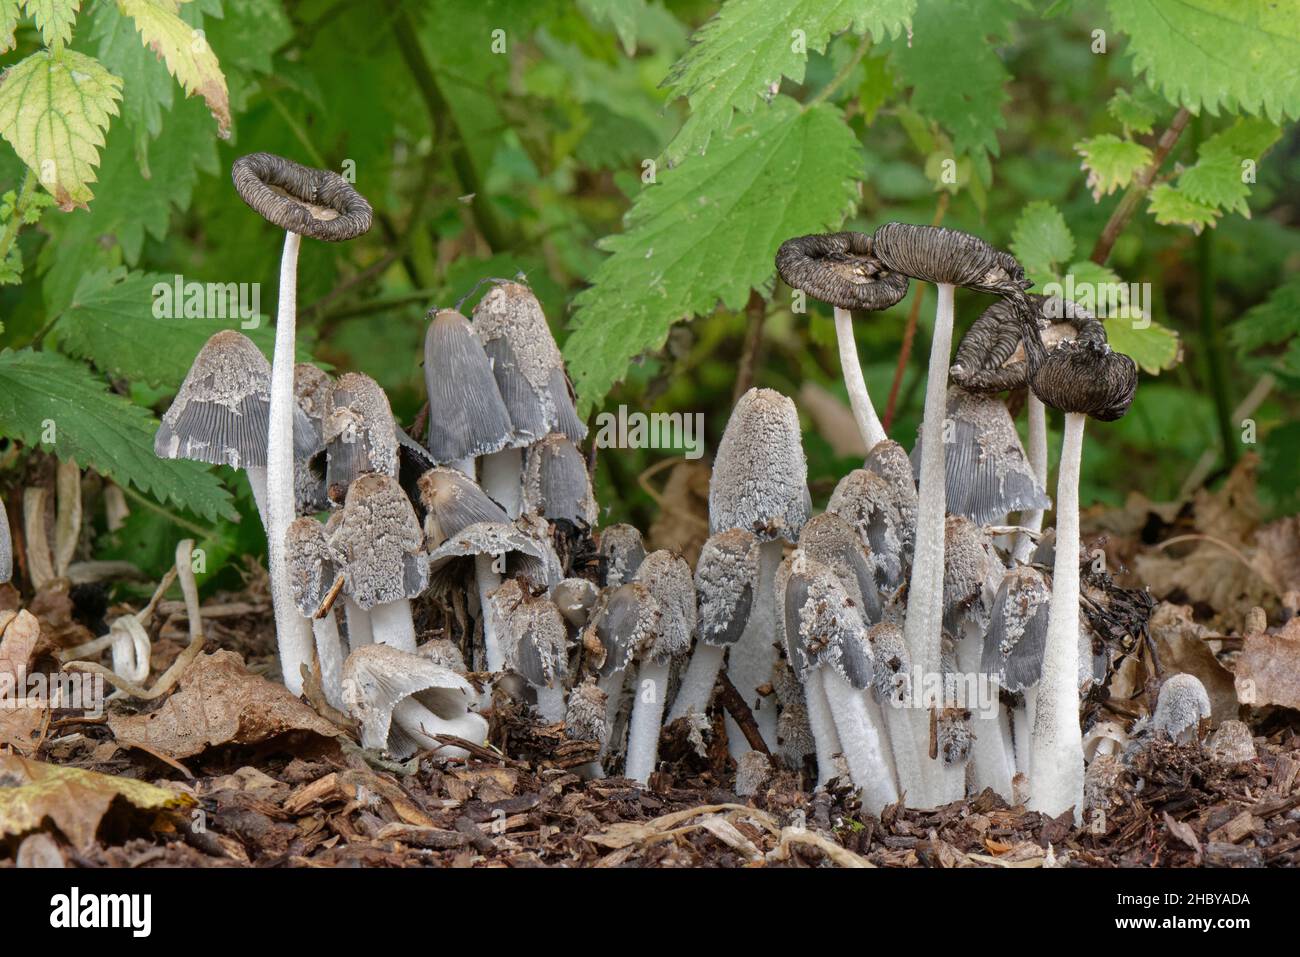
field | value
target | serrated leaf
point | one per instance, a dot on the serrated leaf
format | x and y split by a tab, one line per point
622	15
147	87
1131	112
53	112
1173	207
186	52
1271	322
1216	54
741	55
1224	170
1111	162
40	391
54	18
10	14
1041	240
1152	346
707	232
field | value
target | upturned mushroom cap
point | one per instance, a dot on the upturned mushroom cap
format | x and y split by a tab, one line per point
891	663
1017	633
556	483
991	356
622	550
376	678
823	627
523	544
760	475
987	472
575	597
1081	374
972	573
533	633
866	502
839	268
311	565
830	540
452	502
360	435
667	578
624	621
314	202
1180	708
467	416
586	717
938	254
378	545
726	575
527	364
221	412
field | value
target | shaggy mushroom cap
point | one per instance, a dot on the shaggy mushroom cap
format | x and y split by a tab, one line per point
972	573
1081	374
1017	635
1181	706
868	504
467	416
625	621
377	678
313	202
534	635
527	364
667	578
556	483
726	574
987	472
575	597
622	550
839	268
830	540
311	564
760	475
586	717
753	770
823	627
523	544
453	501
378	545
938	254
360	436
891	662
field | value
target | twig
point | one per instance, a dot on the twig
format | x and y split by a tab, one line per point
327	603
736	706
756	309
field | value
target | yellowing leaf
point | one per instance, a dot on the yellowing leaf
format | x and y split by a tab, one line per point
54	18
186	52
1111	162
1173	207
53	111
9	15
1152	346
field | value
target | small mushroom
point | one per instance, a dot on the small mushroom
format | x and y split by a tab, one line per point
360	435
1182	705
536	643
314	392
556	484
585	717
625	619
865	502
311	575
467	416
452	502
1013	652
575	597
622	551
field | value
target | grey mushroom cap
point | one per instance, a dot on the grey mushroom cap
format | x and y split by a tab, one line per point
556	484
376	678
575	597
625	621
726	574
533	633
6	547
523	544
378	544
311	564
823	627
972	573
840	269
1017	633
467	416
991	356
452	502
867	503
444	653
667	578
221	412
891	662
938	254
1181	706
314	202
760	475
527	364
587	716
1082	374
360	435
987	472
314	391
622	550
830	540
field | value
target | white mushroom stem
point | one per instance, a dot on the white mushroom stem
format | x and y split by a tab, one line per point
1022	729
696	689
422	724
360	632
826	739
863	411
466	465
647	712
1037	415
754	655
992	757
257	483
292	632
860	741
487	580
329	652
1056	749
612	686
551	703
391	624
501	476
922	629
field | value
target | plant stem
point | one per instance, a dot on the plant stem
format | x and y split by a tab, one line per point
756	310
1212	344
16	217
844	73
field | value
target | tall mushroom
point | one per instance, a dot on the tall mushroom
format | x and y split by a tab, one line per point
323	205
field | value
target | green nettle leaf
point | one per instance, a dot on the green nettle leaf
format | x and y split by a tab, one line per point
1230	54
1225	168
1134	113
53	111
10	14
1042	241
739	57
707	232
113	311
1111	162
1152	346
622	15
47	398
186	52
1272	322
54	18
1173	207
147	88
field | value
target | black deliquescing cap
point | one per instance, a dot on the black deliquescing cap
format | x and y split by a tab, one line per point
839	268
313	202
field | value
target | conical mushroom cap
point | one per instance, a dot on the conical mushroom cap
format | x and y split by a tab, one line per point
1017	634
452	502
839	268
891	662
556	483
865	501
314	202
889	460
726	575
376	678
467	416
760	475
667	578
1180	708
587	716
938	254
311	565
625	621
314	391
823	627
378	545
622	550
527	364
575	597
359	433
524	546
972	573
533	633
830	540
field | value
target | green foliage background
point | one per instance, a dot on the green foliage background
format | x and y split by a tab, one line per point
640	162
